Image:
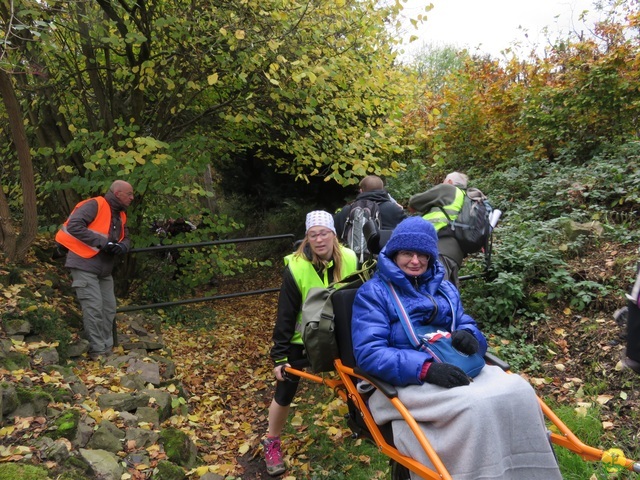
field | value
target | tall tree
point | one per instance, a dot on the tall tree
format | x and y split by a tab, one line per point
158	89
13	244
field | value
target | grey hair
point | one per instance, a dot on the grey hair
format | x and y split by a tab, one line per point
458	179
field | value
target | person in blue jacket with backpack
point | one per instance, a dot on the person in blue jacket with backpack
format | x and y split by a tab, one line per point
318	261
488	426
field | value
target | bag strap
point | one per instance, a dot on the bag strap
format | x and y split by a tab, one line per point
363	274
404	318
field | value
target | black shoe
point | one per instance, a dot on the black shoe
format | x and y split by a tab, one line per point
632	364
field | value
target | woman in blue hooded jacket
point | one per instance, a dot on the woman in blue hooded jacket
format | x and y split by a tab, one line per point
490	427
380	343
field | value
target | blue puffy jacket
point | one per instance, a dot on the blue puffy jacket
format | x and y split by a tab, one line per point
380	344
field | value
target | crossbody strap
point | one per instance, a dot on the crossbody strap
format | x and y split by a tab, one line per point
454	312
363	274
404	318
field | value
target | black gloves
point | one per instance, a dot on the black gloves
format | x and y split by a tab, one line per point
465	342
114	248
446	375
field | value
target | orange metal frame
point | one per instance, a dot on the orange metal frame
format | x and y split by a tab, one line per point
345	388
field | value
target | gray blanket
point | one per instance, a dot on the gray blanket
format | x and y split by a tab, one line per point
491	429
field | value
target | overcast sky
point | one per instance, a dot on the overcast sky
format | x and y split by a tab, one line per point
493	25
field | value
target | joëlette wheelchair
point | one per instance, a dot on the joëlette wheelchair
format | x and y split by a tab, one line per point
362	424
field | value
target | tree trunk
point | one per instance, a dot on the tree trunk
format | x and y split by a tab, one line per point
7	231
16	248
210	202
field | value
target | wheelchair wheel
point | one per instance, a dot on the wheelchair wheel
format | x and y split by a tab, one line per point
398	471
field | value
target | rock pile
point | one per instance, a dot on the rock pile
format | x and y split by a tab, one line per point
107	419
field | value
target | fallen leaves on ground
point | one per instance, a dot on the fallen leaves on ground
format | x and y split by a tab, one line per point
228	375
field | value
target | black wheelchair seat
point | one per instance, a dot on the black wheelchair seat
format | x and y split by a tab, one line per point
342	308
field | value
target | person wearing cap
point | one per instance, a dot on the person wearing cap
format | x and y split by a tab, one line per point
447	196
318	261
490	426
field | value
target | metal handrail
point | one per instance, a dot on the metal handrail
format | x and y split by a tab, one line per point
157	248
196	300
150	306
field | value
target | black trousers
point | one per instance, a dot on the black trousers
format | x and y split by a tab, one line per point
633	331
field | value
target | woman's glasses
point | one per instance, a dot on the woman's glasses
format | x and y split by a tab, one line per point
319	235
408	256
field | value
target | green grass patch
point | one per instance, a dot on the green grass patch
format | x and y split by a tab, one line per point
317	442
14	471
588	428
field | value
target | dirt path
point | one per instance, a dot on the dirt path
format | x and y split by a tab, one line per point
228	375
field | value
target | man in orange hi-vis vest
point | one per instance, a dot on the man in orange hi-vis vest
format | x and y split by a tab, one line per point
94	234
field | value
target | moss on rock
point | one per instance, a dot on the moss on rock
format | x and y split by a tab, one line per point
13	471
15	361
33	394
59	394
74	465
168	471
178	447
537	302
66	425
73	475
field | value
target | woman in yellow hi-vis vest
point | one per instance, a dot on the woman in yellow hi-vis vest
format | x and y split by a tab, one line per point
447	196
318	261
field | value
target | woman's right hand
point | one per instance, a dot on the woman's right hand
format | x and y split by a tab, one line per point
278	373
446	375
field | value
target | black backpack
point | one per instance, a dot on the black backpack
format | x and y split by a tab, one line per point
353	235
472	227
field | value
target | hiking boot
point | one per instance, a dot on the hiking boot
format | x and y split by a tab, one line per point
273	456
97	355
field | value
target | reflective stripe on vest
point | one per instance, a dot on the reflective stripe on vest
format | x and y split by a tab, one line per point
437	217
307	278
100	225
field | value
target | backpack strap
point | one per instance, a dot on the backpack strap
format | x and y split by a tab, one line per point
363	274
404	318
448	213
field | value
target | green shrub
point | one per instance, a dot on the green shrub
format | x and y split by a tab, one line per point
495	302
530	243
581	294
516	349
